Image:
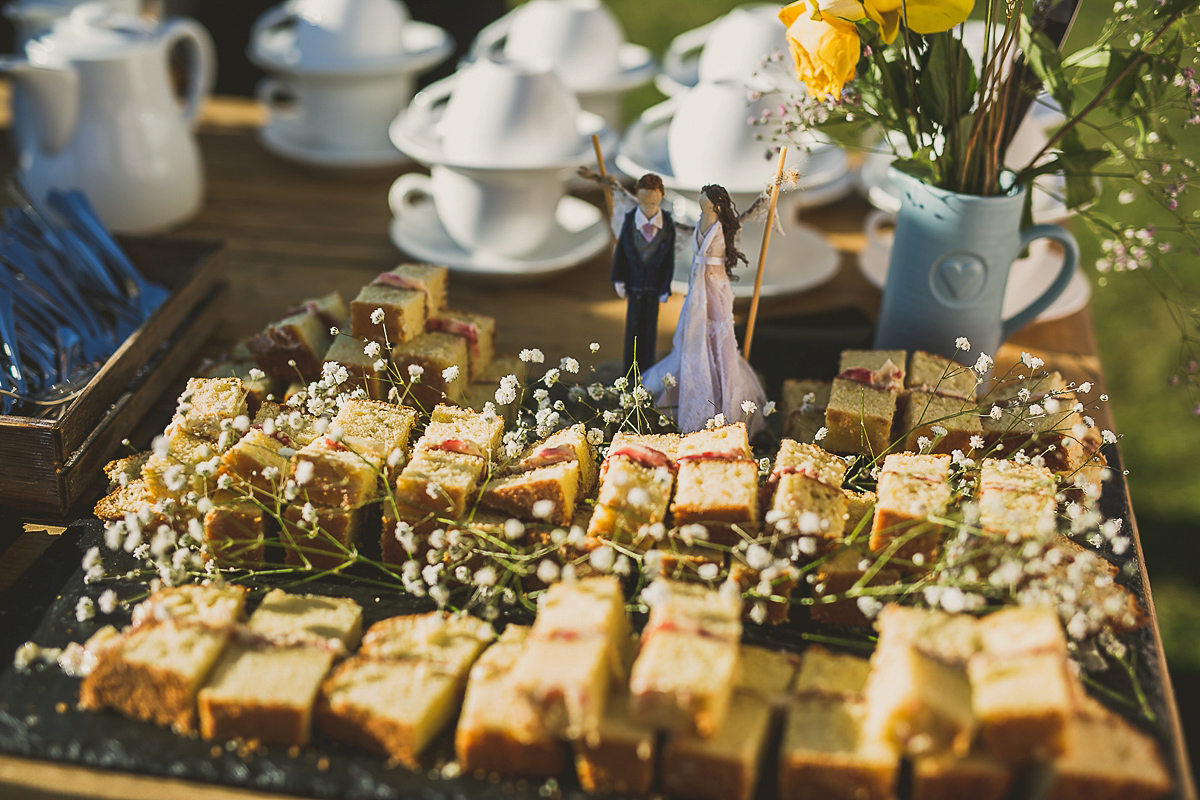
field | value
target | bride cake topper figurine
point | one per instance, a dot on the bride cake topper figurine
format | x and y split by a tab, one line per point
707	374
642	267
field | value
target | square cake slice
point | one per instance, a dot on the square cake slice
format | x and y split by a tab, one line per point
266	683
827	754
404	686
499	732
478	330
430	356
575	654
689	661
804	404
913	490
295	345
208	406
154	669
403	314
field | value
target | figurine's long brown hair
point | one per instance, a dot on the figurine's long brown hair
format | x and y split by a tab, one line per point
727	216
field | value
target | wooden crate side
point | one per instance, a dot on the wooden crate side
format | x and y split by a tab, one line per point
28	459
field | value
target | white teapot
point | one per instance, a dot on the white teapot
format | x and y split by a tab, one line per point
105	118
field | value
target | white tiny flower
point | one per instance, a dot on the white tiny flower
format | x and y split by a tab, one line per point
983	363
821	434
543	508
303	473
371	349
568	364
107	601
85	609
547	571
256	374
594	346
961	343
977	442
309	513
708	571
534	356
758	613
1108	436
513	529
415	371
749	407
450	373
758	557
380	365
377	316
769	408
602	558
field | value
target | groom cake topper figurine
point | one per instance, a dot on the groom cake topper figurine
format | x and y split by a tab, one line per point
642	266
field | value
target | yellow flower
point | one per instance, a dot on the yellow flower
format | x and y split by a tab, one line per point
919	16
825	49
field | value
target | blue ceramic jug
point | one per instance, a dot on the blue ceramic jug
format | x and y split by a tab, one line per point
949	267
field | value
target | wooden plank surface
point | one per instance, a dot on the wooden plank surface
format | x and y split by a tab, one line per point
293	232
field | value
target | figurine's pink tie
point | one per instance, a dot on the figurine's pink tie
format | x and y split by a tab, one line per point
648	231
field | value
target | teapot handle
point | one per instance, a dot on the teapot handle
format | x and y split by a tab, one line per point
202	60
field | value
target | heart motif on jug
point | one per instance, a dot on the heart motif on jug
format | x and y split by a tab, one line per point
959	277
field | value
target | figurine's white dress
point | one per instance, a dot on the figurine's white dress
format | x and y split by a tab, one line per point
710	374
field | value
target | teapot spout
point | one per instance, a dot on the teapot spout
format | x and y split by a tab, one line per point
55	93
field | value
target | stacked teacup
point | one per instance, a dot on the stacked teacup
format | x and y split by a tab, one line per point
745	44
500	136
584	44
339	73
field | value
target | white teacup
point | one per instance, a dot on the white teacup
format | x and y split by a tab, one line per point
710	138
331	32
739	43
507	213
580	38
336	114
507	113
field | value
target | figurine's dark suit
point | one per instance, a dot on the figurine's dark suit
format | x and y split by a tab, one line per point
645	267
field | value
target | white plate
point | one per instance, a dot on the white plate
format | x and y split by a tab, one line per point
644	149
796	262
272	137
580	233
1028	278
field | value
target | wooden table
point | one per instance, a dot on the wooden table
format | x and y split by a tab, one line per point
292	232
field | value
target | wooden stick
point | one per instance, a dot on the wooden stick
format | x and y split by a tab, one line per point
608	203
762	256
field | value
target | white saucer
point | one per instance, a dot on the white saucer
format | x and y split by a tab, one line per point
272	137
797	261
1028	278
644	149
581	232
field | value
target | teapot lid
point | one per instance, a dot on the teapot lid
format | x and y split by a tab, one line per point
92	31
345	37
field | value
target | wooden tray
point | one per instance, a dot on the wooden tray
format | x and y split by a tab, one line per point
45	465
